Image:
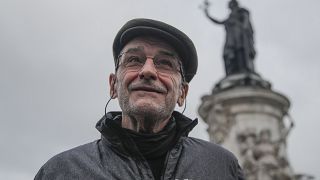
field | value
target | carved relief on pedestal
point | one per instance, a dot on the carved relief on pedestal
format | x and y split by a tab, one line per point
247	142
219	119
261	156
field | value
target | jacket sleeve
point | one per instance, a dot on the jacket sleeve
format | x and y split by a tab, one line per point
47	173
43	175
240	175
39	175
237	170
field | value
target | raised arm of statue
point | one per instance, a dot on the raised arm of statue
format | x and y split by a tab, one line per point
206	7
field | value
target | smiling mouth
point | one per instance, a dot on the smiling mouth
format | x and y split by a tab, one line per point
147	89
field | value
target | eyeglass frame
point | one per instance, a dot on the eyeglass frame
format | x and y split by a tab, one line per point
180	70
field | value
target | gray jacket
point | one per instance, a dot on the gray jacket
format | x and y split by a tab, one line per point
114	157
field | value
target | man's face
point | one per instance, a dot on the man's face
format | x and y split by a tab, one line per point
147	91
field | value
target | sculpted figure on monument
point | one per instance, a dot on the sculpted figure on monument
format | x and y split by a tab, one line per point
205	107
261	158
218	117
270	164
285	131
221	122
247	142
266	154
239	49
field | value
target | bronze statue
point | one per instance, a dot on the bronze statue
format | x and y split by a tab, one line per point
239	49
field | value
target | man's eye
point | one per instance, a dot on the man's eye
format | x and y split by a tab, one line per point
165	63
134	59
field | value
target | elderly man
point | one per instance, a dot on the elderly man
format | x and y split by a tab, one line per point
154	62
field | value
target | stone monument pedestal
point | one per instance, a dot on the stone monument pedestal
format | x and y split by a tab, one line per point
249	119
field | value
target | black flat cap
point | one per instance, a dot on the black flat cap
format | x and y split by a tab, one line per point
148	27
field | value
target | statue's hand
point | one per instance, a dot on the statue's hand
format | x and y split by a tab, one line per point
206	5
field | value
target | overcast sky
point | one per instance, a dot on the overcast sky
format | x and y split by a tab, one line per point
56	57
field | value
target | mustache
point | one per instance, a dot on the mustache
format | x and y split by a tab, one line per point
147	87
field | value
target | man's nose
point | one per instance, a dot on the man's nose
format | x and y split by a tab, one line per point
148	71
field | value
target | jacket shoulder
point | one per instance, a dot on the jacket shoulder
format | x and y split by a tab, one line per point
68	162
209	159
208	148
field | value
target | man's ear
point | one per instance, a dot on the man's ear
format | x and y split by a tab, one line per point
183	93
112	84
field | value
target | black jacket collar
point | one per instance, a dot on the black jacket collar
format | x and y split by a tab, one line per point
118	139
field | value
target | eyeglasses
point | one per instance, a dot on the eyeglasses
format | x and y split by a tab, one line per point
164	62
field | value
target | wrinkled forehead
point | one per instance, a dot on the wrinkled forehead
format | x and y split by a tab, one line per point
150	45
